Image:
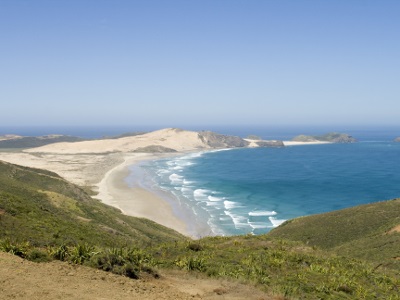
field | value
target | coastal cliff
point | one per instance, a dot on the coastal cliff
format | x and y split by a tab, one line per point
216	140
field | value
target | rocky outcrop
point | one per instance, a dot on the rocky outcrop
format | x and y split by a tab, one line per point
216	140
253	137
397	140
332	137
270	144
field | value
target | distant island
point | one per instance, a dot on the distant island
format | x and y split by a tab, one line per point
397	139
332	137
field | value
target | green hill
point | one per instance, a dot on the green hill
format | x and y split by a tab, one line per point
45	217
40	207
370	232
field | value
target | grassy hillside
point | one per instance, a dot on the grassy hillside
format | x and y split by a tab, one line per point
33	141
290	269
44	217
370	232
40	207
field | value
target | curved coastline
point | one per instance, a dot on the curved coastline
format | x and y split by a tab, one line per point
123	187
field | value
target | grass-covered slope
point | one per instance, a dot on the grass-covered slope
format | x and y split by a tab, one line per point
370	232
40	207
36	141
60	221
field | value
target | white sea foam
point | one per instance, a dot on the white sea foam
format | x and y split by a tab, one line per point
209	203
201	194
215	199
262	213
219	150
230	204
187	182
276	222
258	225
185	190
238	221
176	179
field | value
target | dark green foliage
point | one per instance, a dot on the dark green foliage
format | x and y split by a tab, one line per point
119	261
38	255
195	246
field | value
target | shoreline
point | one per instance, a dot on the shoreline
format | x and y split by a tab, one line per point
294	143
137	200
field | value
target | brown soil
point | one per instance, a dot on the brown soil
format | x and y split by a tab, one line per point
22	279
395	229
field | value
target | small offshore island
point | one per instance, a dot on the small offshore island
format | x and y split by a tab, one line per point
49	192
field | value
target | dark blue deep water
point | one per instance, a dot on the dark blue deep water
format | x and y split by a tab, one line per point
253	190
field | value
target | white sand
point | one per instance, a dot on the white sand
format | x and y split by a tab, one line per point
176	139
103	166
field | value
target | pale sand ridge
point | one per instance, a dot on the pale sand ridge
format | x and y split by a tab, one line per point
176	139
103	166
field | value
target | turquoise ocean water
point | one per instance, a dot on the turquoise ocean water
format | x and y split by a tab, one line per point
253	190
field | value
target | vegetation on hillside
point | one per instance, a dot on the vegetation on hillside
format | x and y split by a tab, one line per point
370	232
33	141
39	207
43	217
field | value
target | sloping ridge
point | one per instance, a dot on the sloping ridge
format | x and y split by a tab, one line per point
170	138
365	232
41	207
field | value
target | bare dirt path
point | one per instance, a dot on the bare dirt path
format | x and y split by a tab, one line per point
21	279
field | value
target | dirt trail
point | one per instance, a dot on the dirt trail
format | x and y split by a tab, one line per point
21	279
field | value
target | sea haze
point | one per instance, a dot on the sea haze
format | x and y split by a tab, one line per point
253	190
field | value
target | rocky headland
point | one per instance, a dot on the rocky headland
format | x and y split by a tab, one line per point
332	137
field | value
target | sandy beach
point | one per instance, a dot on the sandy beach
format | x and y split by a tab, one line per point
135	200
103	166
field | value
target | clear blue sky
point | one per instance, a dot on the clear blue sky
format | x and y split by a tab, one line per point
178	63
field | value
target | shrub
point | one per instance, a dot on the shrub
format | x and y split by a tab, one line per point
195	247
38	255
60	252
19	249
81	253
